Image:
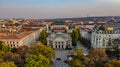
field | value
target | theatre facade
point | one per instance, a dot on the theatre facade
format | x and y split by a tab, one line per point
59	36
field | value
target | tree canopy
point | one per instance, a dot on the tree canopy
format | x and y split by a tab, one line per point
7	64
46	51
40	55
43	37
3	47
77	58
75	36
113	63
37	61
114	49
97	56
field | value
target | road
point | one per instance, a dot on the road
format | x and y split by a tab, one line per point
85	50
60	54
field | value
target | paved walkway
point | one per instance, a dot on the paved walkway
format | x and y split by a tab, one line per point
63	55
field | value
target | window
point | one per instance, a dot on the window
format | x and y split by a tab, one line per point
55	42
17	42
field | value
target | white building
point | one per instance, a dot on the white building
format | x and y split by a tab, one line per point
102	38
18	39
59	36
59	40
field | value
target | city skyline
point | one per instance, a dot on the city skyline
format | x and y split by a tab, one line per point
58	8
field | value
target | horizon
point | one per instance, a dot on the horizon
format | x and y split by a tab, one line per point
51	9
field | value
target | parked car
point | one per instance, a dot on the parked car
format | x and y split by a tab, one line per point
58	58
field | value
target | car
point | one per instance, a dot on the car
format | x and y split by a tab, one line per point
58	58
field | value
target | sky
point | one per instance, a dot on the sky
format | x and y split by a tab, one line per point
58	8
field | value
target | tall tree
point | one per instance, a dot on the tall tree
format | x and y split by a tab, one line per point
75	37
43	37
78	30
37	61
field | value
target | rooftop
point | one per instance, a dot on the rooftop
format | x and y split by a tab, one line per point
58	23
14	36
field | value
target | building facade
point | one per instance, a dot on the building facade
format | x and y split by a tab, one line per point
101	38
59	40
59	36
16	39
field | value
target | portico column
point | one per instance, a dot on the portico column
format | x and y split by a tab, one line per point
64	46
54	46
57	45
60	45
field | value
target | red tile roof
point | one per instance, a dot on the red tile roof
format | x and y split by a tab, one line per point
17	36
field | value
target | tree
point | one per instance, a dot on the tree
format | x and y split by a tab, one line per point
113	63
43	37
78	58
74	36
14	49
113	48
7	64
37	61
101	27
78	31
23	51
97	56
116	43
2	54
76	63
79	52
3	47
84	41
1	60
13	57
46	51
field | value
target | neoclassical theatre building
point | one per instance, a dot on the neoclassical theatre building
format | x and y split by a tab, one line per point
59	36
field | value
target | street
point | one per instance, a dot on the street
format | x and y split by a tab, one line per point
60	54
63	55
85	50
